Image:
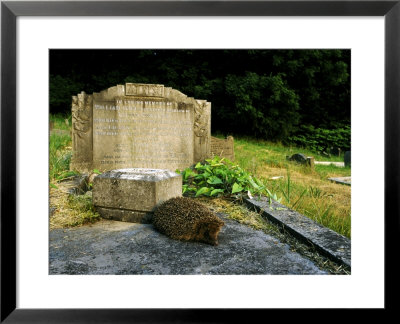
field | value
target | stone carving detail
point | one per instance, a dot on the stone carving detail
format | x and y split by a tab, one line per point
82	127
144	90
200	120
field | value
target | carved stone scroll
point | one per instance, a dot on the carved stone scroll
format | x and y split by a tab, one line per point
82	132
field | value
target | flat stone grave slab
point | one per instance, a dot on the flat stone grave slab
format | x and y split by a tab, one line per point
331	244
130	195
338	164
342	180
118	248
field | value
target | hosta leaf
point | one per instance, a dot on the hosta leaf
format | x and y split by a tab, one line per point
216	191
236	188
214	180
202	191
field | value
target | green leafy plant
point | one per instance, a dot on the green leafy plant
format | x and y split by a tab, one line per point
220	177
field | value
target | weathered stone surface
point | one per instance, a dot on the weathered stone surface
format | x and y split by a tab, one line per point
347	158
302	159
132	194
342	180
125	215
333	245
82	132
338	164
139	125
118	248
298	157
310	162
223	148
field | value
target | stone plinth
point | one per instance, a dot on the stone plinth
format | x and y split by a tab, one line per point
130	195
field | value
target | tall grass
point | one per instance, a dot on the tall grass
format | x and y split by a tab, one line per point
300	188
61	121
60	154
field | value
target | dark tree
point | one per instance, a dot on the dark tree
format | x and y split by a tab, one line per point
270	94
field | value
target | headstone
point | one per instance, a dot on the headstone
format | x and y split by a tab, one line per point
347	158
302	159
310	162
298	157
223	148
131	195
140	126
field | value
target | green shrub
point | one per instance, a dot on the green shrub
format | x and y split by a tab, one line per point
320	139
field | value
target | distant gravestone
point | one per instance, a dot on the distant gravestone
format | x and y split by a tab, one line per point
223	148
302	159
140	126
130	195
298	157
347	158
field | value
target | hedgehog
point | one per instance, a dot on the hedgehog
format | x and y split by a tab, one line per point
184	219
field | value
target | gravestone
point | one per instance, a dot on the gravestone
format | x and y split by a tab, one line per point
222	148
347	158
297	157
139	126
130	195
302	159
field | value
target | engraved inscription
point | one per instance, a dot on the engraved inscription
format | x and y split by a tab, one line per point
138	133
223	148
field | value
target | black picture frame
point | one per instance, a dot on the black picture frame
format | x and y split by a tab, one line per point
10	10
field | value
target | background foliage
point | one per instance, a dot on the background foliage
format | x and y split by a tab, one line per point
293	96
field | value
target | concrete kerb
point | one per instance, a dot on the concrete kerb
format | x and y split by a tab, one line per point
327	242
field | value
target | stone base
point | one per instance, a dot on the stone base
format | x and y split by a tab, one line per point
130	195
124	215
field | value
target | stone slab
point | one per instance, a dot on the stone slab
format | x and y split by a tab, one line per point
333	245
224	148
347	158
117	248
125	215
338	164
342	180
129	194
